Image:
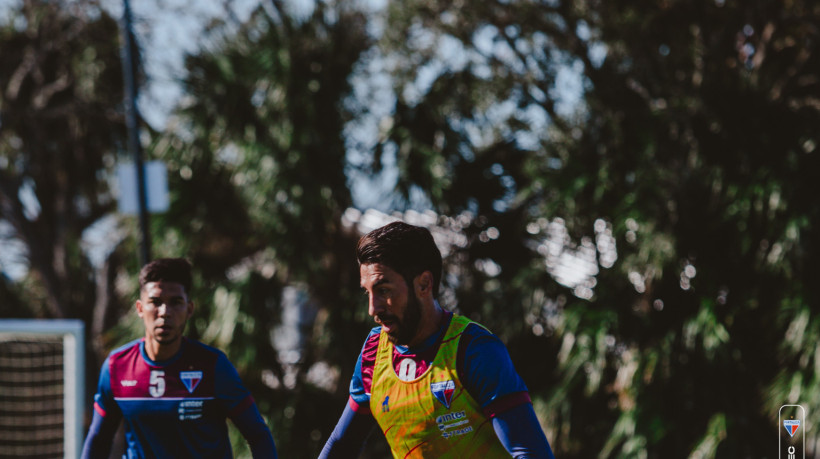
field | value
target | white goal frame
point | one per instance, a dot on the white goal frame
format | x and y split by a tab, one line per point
73	336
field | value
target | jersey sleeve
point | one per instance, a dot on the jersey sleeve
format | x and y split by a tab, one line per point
488	373
104	403
252	426
106	417
360	383
230	391
521	434
349	435
356	422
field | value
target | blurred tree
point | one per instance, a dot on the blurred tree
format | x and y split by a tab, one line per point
257	155
690	136
60	129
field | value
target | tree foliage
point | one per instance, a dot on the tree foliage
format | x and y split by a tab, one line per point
693	140
258	168
634	183
61	82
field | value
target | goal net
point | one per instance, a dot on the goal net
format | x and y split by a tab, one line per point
42	369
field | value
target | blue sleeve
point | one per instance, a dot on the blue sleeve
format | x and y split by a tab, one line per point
104	399
229	388
521	434
357	390
348	438
100	436
106	419
486	369
491	379
256	432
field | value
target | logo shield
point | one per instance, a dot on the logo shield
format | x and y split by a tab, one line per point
443	391
191	379
791	426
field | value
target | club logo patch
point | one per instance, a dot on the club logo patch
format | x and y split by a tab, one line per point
791	426
191	379
443	391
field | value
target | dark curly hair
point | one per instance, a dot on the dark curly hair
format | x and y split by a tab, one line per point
409	250
169	270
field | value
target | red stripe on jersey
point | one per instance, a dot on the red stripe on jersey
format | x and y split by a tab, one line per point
99	409
368	360
414	448
357	408
505	403
242	406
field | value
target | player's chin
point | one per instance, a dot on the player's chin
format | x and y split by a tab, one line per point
394	334
165	335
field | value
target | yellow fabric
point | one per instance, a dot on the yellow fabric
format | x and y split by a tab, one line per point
415	422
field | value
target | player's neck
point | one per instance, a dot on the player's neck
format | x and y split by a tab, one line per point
159	352
431	318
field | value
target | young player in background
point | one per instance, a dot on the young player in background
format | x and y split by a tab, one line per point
174	394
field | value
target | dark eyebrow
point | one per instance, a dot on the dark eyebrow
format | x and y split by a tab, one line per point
381	281
175	297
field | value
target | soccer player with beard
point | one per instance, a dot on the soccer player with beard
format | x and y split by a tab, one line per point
436	383
174	394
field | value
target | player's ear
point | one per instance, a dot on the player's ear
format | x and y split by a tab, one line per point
138	306
190	308
423	283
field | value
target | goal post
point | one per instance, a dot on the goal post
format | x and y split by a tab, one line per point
42	387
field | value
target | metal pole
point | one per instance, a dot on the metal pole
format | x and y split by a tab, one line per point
132	123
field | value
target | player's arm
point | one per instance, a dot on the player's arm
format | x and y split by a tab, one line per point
356	422
350	434
250	424
242	410
100	436
519	431
105	422
490	378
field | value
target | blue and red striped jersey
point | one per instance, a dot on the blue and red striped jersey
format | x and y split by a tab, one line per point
173	408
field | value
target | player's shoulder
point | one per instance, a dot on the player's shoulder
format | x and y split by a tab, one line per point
131	346
473	329
192	347
370	347
199	346
372	340
375	331
478	337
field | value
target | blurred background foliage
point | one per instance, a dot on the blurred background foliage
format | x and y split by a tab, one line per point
628	191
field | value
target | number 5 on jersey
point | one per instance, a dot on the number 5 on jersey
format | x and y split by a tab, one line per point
157	383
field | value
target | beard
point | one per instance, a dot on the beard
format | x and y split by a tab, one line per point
409	325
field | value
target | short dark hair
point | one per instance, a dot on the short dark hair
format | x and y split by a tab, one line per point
409	250
169	270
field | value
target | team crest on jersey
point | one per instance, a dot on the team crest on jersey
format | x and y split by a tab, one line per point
791	426
191	379
443	391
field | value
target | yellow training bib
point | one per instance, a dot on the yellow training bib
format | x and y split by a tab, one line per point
432	415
